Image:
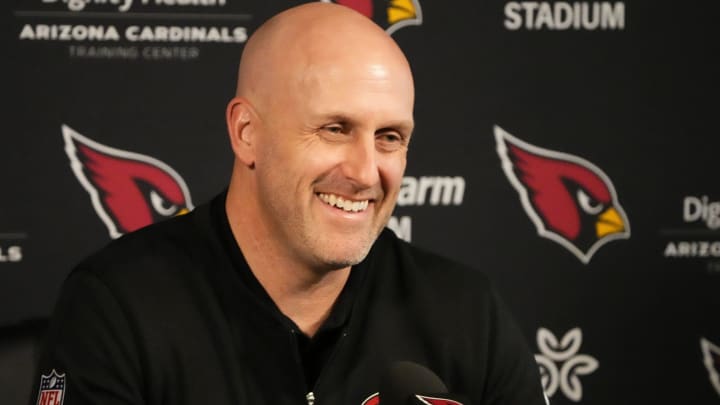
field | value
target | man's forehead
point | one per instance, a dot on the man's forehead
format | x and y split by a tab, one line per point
357	92
363	66
343	96
333	75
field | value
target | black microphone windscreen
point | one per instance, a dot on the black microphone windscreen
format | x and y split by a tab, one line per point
404	379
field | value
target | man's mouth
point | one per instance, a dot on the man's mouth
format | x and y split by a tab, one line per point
344	203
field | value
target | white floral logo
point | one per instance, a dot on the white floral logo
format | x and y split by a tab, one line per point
561	365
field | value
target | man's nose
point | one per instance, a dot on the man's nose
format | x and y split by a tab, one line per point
361	165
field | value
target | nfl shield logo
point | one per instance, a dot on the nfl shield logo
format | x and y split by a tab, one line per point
52	389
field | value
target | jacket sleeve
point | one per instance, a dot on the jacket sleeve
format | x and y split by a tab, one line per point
90	347
514	377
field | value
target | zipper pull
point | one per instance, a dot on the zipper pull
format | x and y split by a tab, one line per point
310	398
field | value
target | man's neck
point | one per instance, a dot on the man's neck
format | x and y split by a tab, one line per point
304	295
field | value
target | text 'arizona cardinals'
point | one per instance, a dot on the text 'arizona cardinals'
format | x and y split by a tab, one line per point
570	200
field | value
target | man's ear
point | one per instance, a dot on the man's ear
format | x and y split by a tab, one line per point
242	126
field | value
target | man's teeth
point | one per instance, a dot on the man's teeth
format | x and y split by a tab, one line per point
345	205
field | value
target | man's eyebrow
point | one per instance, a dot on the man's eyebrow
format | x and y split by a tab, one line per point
336	117
402	125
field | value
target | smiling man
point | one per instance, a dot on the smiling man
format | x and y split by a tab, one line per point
320	137
287	288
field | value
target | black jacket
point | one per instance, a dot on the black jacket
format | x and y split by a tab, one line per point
161	316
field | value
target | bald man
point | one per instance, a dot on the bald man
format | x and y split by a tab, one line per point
286	288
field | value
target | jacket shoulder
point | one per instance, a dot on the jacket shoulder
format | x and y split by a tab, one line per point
157	248
442	271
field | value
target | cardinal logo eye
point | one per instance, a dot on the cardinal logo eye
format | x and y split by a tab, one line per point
158	203
588	204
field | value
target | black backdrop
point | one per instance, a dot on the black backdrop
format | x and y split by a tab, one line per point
634	95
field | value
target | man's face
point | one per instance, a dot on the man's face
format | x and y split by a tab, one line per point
330	160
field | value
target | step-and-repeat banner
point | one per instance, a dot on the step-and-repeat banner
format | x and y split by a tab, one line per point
568	149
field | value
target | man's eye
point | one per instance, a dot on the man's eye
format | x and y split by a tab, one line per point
335	129
390	140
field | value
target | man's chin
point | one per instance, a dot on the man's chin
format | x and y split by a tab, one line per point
338	260
342	250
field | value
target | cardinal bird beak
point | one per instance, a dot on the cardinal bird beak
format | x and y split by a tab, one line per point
401	10
609	222
182	212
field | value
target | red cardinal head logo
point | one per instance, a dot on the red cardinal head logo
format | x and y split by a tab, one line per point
711	358
128	190
570	200
389	14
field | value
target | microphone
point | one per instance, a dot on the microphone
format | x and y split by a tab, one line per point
408	383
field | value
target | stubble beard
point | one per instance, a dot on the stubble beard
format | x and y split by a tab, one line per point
338	252
308	242
320	251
